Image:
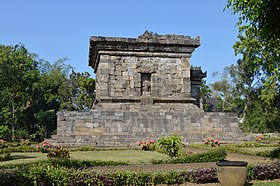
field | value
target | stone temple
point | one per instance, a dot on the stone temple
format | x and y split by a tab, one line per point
145	88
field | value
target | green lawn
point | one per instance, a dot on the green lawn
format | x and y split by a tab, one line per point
258	149
269	183
133	156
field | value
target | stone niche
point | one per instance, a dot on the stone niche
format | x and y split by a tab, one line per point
144	89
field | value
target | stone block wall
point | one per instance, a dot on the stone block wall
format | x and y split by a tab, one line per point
124	125
120	76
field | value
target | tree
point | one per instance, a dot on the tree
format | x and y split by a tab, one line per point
238	91
226	90
18	72
259	66
60	88
205	93
82	87
263	16
33	90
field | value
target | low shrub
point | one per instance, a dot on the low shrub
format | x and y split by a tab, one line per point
47	173
205	175
83	148
19	149
275	153
238	148
211	156
211	142
250	144
238	145
72	163
264	171
3	144
267	153
146	144
5	133
25	142
4	156
43	147
59	152
170	145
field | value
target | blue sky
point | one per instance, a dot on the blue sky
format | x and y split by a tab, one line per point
56	29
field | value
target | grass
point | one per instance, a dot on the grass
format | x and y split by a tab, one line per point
269	183
259	149
132	156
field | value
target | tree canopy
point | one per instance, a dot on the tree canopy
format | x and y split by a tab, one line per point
251	87
33	90
262	15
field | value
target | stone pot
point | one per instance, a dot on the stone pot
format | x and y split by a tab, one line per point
232	173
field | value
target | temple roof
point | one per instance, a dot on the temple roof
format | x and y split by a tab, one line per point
148	42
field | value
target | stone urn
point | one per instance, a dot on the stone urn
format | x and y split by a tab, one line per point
232	173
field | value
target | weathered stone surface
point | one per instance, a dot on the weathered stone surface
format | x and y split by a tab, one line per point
144	89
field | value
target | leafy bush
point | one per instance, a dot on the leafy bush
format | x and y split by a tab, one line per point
170	145
5	133
59	152
205	175
22	134
275	153
4	155
25	142
264	171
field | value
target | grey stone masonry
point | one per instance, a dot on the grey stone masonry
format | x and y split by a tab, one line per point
144	89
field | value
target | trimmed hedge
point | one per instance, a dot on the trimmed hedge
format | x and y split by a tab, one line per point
5	156
237	148
68	163
267	153
264	171
211	156
22	148
56	175
47	174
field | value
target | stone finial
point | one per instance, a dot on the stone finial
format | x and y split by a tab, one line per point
148	35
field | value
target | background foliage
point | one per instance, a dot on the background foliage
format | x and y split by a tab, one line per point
33	90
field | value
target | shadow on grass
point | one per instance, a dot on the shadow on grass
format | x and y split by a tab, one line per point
15	157
248	184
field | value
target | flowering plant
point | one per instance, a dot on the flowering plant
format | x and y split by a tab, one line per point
211	142
146	144
3	144
43	147
59	152
259	137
